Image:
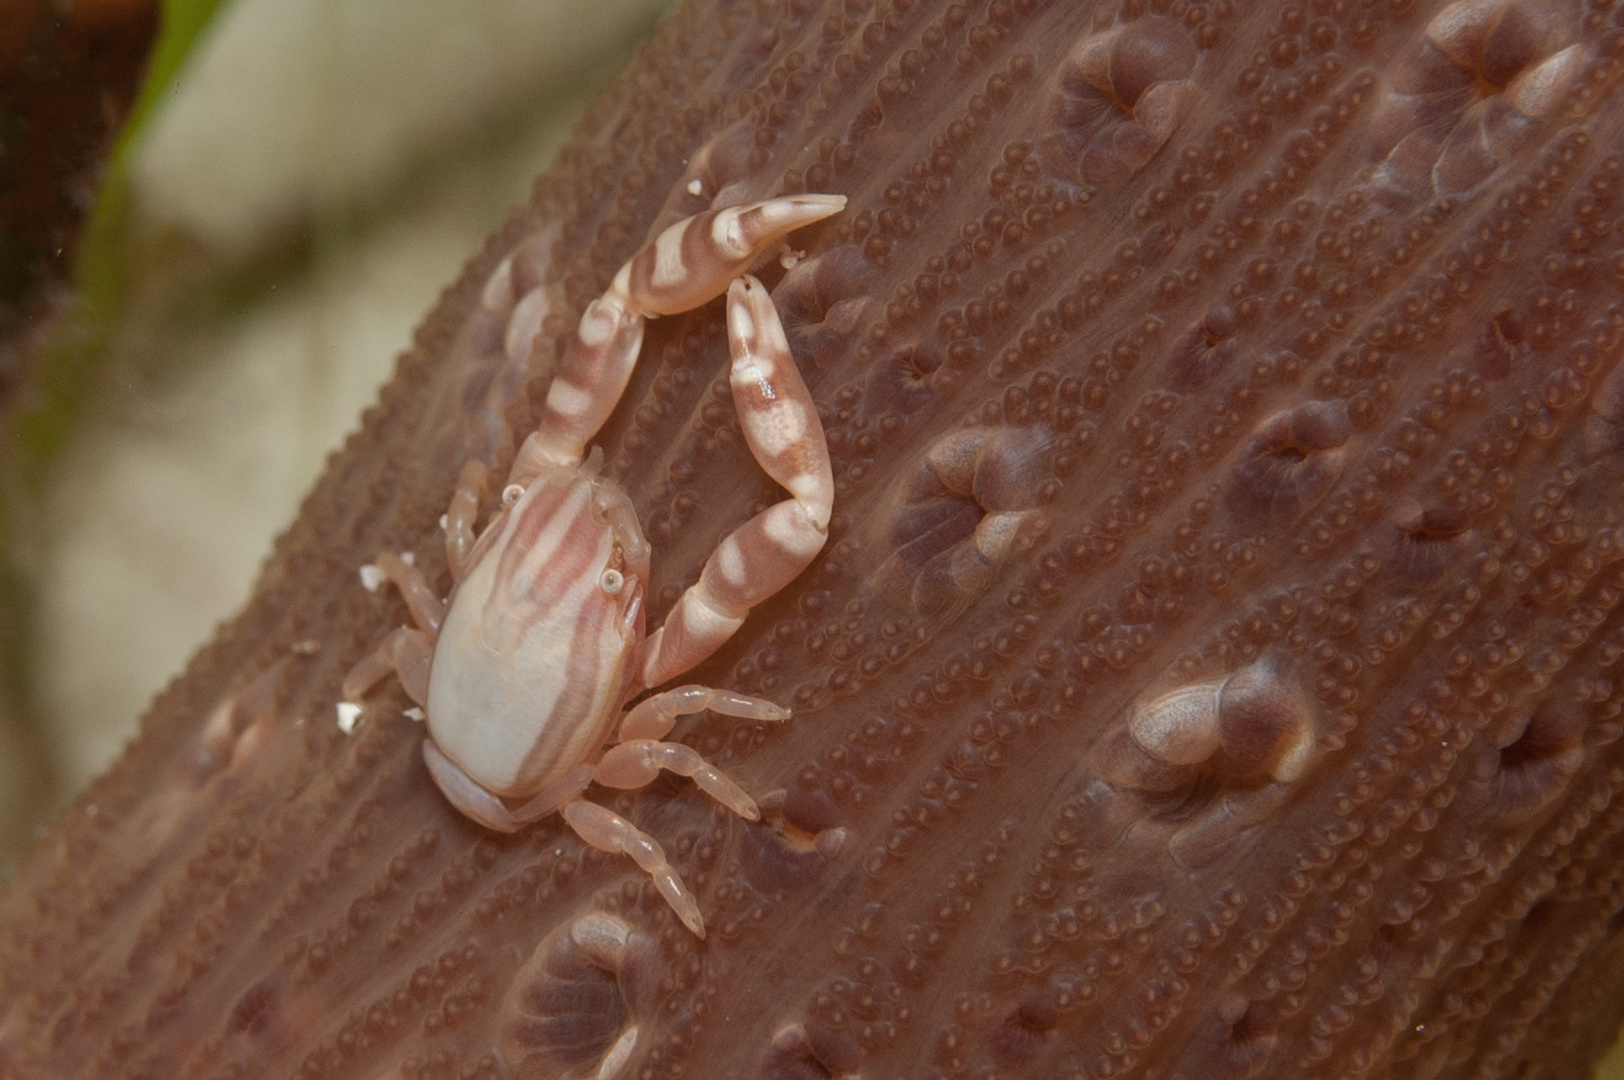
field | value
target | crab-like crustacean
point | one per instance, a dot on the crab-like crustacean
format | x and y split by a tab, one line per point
524	669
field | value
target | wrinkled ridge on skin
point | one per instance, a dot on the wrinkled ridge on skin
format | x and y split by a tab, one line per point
1210	672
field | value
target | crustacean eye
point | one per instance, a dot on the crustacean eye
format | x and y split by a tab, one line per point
511	494
612	581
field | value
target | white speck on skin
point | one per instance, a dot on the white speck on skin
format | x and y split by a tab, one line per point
414	714
371	578
695	187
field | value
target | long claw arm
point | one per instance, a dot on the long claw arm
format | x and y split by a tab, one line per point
764	554
586	387
775	408
693	261
686	266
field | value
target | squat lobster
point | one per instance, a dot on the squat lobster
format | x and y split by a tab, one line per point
524	669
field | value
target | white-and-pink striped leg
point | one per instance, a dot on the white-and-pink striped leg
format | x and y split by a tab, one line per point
588	383
764	554
694	261
687	265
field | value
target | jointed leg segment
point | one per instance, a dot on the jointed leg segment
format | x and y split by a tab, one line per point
608	831
635	764
428	610
655	716
406	652
461	515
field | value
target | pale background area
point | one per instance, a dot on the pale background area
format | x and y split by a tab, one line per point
334	162
322	170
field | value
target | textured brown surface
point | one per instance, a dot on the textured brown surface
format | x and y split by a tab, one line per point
1211	665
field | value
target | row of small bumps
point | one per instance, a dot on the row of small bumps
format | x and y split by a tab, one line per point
1279	349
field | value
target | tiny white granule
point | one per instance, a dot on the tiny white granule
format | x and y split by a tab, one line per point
371	578
414	714
348	714
695	187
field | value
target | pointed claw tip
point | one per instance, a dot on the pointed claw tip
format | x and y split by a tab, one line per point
791	212
817	207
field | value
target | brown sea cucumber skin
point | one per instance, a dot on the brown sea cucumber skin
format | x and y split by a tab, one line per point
1210	672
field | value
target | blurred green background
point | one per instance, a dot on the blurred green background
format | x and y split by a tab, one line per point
303	178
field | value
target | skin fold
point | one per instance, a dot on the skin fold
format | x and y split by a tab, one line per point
1210	671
